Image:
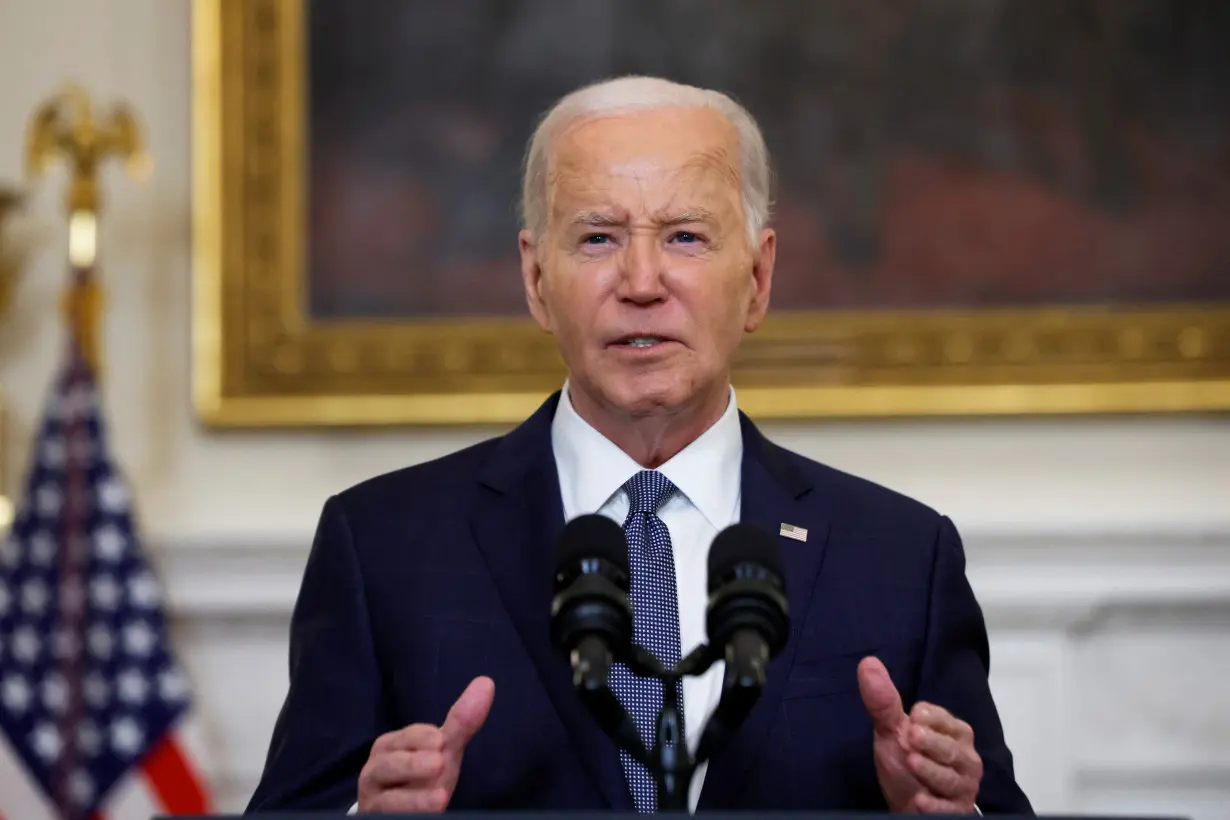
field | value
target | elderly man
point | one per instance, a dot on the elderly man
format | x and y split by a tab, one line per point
422	673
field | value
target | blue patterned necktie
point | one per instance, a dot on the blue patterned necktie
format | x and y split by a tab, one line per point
655	618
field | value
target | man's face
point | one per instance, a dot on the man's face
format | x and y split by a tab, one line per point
645	274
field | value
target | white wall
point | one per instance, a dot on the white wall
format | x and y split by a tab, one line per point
1100	547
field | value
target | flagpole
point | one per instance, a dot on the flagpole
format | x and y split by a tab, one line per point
10	262
66	127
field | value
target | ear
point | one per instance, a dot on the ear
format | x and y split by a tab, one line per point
531	278
762	279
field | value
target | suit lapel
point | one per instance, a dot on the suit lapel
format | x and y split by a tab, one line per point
774	493
516	520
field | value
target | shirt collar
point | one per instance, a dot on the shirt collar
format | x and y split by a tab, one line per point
707	471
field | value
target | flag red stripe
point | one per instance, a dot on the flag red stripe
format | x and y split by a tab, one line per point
178	788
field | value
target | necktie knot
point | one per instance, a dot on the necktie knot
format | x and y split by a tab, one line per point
647	491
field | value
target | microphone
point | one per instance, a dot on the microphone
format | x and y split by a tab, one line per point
747	620
591	618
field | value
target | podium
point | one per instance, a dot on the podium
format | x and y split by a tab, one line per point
722	815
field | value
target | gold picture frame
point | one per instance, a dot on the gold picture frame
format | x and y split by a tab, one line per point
260	360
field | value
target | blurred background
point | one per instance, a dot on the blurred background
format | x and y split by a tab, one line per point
1099	547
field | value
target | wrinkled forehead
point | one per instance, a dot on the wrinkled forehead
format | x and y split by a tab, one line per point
651	159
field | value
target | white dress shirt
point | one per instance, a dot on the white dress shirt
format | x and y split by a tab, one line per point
707	473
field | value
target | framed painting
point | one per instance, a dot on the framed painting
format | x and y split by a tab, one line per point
1015	207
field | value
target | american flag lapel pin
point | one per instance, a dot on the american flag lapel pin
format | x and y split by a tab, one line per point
791	531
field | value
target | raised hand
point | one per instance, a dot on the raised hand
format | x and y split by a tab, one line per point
415	769
925	761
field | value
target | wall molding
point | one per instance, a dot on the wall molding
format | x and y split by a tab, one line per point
1070	581
1048	579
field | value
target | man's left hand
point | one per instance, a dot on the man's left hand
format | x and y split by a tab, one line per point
926	761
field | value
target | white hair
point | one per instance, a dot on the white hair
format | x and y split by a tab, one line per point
632	93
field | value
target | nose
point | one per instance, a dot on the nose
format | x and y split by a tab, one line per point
641	279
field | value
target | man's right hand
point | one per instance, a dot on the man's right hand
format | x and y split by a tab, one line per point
415	769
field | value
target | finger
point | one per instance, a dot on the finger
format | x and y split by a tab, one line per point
941	720
880	697
942	781
399	769
942	749
930	804
468	713
415	737
407	801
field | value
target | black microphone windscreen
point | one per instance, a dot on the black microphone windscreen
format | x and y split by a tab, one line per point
591	536
742	544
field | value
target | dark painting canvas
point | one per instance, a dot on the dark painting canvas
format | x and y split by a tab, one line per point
929	154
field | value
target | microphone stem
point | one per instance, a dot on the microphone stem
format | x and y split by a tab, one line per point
674	762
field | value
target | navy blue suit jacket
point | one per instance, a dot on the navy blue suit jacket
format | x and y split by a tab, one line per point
422	579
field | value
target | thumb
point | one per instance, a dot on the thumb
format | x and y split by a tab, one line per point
467	715
880	696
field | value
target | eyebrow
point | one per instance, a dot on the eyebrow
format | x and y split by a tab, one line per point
692	215
594	219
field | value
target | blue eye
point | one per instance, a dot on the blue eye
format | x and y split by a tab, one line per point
686	238
596	239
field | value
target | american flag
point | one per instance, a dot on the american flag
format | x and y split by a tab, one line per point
92	699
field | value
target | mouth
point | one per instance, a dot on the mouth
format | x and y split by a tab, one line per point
640	341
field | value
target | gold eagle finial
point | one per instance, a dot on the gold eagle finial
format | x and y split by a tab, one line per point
65	126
